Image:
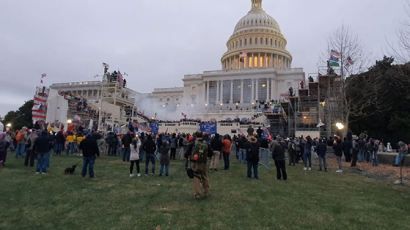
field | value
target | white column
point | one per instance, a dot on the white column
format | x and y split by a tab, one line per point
241	91
273	82
252	90
207	93
222	92
231	100
257	90
267	89
217	92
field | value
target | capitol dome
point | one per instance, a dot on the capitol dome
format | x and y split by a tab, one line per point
256	42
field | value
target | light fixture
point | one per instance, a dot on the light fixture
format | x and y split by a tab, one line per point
222	104
340	125
8	125
206	105
304	117
69	121
263	85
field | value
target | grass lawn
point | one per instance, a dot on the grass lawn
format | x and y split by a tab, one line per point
113	200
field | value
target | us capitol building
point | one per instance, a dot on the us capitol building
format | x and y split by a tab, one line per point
256	69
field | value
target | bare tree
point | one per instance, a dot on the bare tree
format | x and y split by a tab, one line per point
401	51
352	61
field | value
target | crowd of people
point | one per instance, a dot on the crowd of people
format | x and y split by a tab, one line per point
200	151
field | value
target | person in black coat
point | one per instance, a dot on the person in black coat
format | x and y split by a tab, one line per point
149	149
347	149
60	141
126	150
278	154
42	148
252	156
338	147
90	151
321	152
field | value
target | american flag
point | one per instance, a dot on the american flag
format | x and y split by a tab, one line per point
334	53
350	61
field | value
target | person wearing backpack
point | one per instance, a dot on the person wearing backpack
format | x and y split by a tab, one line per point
199	159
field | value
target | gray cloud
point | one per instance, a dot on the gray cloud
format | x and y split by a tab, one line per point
157	42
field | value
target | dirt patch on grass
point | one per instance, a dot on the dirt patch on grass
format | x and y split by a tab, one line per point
380	172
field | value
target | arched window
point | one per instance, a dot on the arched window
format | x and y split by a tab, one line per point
240	43
246	41
276	43
256	41
266	41
250	41
261	40
271	42
236	44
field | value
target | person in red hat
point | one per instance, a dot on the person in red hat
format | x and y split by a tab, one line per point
188	150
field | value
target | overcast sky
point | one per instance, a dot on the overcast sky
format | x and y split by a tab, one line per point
158	41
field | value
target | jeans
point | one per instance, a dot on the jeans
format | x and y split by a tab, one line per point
20	149
339	162
226	160
126	154
322	162
59	148
253	165
361	155
400	159
281	169
70	148
162	170
264	156
150	157
41	162
142	154
242	156
48	156
307	156
375	159
88	162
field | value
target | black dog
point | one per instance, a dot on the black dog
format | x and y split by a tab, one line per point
70	170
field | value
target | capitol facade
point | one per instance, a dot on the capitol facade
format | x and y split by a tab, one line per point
256	70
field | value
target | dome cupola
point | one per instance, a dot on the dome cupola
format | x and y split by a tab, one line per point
256	42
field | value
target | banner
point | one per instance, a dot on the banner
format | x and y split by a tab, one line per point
207	127
154	127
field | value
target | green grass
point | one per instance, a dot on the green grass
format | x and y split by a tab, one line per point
112	200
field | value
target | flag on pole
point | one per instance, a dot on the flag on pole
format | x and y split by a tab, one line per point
350	61
42	77
334	59
334	53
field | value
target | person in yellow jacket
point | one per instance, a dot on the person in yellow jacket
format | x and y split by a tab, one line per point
71	139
